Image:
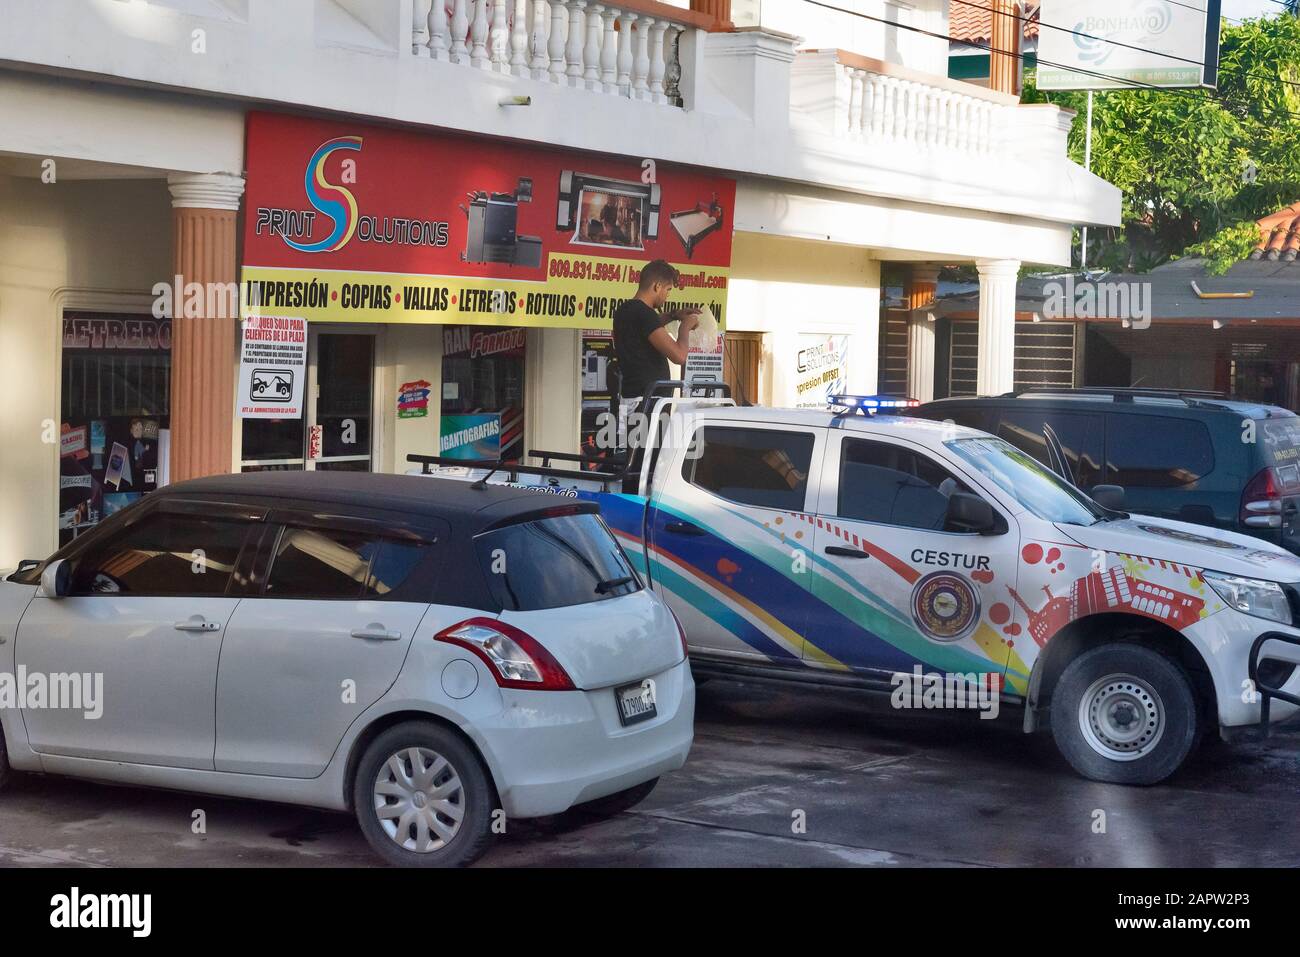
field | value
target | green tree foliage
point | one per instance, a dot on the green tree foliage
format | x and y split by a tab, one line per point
1197	168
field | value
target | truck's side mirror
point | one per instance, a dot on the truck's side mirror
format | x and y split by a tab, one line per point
1109	497
56	580
970	513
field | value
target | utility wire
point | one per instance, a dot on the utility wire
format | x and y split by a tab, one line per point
1185	93
1079	33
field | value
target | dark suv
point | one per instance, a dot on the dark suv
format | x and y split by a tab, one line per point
1192	456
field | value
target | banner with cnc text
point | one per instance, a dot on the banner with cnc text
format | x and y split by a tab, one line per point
346	222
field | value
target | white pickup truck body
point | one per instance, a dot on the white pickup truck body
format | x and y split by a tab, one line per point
810	546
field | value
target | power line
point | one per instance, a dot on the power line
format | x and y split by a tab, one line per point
1123	82
1053	26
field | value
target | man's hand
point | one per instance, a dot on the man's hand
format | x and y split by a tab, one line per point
690	322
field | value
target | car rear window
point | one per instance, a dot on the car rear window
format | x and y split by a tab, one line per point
554	562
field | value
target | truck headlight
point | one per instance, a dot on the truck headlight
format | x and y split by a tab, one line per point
1253	596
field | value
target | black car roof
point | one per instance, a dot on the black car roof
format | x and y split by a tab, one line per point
459	502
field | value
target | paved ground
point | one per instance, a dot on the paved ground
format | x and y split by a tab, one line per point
873	786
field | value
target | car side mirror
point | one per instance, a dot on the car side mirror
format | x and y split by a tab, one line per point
970	513
1109	497
56	580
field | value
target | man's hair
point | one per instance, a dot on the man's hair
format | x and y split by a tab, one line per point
657	271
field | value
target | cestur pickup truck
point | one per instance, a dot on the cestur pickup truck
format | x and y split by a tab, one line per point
881	551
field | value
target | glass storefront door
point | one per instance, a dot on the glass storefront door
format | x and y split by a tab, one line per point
340	401
336	433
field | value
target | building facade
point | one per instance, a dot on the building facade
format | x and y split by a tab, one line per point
337	172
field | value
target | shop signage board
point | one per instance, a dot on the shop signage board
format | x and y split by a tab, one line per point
821	370
413	399
272	367
474	436
1117	44
705	365
353	223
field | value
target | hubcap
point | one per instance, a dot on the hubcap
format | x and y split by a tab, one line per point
1121	717
419	800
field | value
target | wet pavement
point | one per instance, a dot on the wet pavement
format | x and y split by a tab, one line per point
776	777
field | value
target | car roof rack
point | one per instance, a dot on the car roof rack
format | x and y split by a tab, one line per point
1121	394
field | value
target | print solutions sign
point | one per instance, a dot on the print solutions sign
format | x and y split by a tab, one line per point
350	223
1117	44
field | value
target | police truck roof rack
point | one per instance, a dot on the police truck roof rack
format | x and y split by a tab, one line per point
871	404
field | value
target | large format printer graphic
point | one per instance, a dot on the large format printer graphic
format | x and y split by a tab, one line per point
493	228
600	211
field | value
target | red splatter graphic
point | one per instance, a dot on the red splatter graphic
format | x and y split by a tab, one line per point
1053	555
1000	614
727	569
1032	553
1012	630
983	576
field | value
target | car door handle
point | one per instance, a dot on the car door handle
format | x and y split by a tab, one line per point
197	623
683	528
376	632
843	552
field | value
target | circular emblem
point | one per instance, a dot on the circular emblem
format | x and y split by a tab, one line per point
945	606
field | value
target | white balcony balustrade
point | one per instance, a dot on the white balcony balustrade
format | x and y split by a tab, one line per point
628	50
871	101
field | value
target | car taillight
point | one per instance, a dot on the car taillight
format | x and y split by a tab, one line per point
515	658
1261	502
681	632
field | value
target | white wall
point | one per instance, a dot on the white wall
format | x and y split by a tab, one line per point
75	243
786	288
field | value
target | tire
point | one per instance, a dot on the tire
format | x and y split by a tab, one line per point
1124	714
618	802
446	842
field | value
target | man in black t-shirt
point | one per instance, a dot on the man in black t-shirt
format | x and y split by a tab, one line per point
642	345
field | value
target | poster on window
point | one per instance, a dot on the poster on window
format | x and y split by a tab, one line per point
353	223
821	370
272	367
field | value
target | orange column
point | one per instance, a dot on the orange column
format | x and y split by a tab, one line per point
720	10
1004	67
205	330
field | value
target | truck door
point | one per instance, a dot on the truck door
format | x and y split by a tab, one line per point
893	586
729	528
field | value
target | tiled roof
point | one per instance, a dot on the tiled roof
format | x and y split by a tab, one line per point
1279	236
972	21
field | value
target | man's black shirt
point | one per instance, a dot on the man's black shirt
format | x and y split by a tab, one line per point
641	363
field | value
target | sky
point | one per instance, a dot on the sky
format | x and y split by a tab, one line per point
1237	9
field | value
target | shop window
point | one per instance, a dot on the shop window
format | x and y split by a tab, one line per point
482	392
759	467
115	406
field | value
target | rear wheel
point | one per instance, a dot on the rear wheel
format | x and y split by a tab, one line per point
1125	714
423	797
617	802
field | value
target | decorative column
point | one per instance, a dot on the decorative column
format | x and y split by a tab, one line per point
995	373
921	286
1004	47
204	347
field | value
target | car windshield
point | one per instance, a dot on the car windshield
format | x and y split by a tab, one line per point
1026	480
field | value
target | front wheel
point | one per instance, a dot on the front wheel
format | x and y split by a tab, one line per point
423	798
1124	714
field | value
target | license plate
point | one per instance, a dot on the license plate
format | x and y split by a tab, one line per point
636	702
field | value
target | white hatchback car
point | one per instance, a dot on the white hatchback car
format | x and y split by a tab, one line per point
427	655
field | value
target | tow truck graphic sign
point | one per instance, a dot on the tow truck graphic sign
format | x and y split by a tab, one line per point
272	366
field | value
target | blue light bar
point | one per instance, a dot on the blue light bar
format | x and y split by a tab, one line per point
873	403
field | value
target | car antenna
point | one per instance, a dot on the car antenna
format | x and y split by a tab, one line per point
482	483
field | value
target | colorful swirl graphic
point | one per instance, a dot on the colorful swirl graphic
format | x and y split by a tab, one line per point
321	194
